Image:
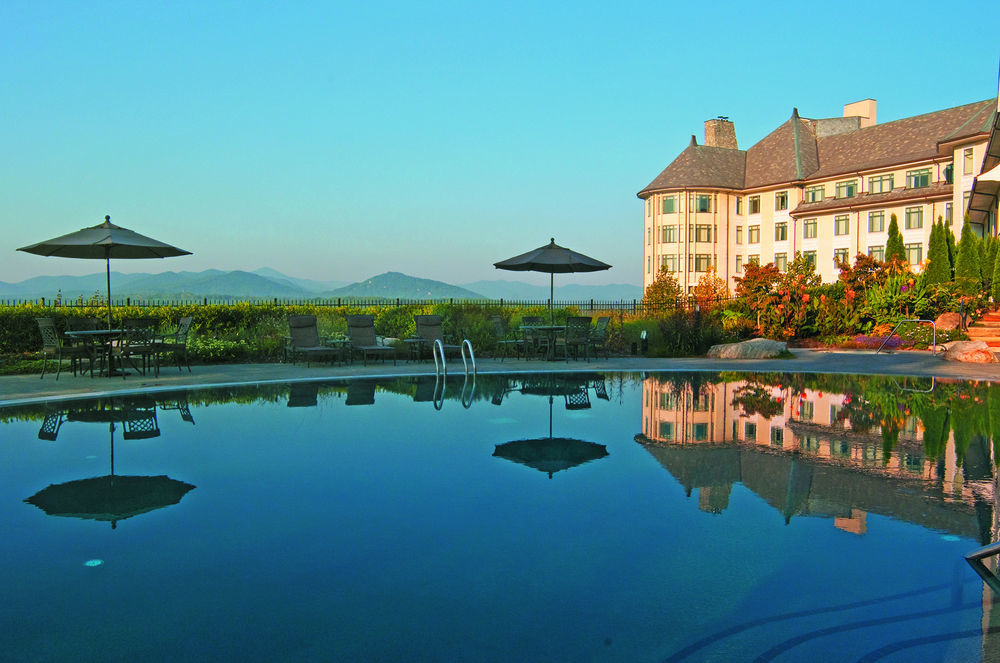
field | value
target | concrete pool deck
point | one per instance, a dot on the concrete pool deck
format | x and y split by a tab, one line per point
16	389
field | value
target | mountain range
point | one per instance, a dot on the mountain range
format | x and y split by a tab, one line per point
266	283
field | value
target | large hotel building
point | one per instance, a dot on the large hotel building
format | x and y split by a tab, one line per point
823	187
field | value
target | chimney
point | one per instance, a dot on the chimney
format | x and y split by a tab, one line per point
720	132
865	109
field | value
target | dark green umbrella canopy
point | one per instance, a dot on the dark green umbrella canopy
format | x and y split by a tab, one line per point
104	242
551	454
552	259
109	498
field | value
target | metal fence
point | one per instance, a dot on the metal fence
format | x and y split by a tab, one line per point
631	306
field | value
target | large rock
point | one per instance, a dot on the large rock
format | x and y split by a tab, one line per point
755	348
972	352
948	321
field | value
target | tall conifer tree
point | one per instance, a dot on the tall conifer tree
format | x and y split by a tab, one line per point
952	249
967	268
894	248
938	268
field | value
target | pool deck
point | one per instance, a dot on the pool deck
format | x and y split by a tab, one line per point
15	389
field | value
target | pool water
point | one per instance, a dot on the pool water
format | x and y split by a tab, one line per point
656	517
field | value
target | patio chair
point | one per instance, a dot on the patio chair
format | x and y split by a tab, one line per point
504	342
576	336
175	343
305	340
137	341
361	334
429	331
536	343
598	341
53	345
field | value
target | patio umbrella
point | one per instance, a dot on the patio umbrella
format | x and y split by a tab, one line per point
553	259
104	242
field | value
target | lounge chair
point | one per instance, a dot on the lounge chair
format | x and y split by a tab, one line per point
305	340
53	345
429	331
361	333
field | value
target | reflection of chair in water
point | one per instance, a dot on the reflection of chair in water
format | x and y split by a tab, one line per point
139	422
426	389
176	401
579	400
50	427
303	394
360	392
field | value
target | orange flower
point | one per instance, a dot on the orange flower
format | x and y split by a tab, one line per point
850	294
781	307
805	297
822	299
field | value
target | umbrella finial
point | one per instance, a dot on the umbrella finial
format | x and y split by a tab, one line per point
107	218
552	239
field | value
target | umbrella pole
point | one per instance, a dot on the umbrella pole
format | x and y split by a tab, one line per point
552	278
107	267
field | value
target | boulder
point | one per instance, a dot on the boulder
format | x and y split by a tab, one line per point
948	321
972	352
755	348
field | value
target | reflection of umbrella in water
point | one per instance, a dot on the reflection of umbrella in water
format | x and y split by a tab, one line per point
104	242
552	259
551	454
111	497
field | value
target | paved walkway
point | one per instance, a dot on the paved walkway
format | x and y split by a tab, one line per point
27	388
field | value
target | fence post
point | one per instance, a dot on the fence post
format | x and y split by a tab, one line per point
204	301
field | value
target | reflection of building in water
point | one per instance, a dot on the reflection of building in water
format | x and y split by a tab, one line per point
797	452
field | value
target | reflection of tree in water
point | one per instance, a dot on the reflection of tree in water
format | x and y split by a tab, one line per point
756	399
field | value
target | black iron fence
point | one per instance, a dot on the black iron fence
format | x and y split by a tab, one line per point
631	306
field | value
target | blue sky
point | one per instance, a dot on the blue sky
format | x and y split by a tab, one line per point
338	141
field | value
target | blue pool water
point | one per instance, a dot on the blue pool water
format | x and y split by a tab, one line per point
727	517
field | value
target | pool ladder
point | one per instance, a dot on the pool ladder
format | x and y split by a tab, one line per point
441	374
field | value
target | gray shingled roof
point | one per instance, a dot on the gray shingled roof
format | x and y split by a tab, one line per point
936	190
786	154
701	166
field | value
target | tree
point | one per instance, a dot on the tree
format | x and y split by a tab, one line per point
894	249
968	272
952	249
664	291
711	290
757	285
989	266
939	268
996	286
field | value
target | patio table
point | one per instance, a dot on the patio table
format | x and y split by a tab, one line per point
550	332
105	338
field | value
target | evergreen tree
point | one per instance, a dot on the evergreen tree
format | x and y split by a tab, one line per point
989	265
952	249
995	290
938	268
894	249
967	268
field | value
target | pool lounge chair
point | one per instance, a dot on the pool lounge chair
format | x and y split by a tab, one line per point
361	333
429	331
305	340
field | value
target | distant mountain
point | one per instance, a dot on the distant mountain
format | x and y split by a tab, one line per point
393	284
570	292
211	283
306	284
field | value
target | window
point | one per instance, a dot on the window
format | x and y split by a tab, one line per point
810	257
700	403
949	173
918	179
815	194
649	206
809	443
668	401
753	205
780	232
753	235
876	222
739	234
666	430
847	189
699	432
840	255
880	184
877	252
702	233
670	262
777	436
840	449
670	234
806	411
914	217
739	205
841	224
703	203
669	204
947	214
702	262
649	264
781	261
749	431
914	253
967	161
739	264
781	200
649	236
809	229
754	258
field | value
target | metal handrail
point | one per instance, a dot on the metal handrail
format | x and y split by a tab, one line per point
933	324
472	356
975	560
467	402
439	367
439	395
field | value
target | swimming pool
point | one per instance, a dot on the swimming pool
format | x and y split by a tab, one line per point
585	517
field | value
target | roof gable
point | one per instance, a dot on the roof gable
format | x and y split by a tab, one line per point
701	166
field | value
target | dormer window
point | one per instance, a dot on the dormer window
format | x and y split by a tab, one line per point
847	189
918	179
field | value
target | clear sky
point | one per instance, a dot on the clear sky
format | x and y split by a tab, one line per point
337	141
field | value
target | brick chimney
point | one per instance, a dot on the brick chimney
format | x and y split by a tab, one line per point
865	109
720	132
